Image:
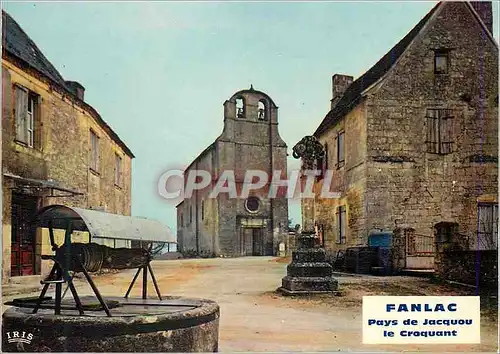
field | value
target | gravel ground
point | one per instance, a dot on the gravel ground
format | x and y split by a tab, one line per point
255	318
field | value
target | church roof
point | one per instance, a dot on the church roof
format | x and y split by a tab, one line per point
19	45
352	95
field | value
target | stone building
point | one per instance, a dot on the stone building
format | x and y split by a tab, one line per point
413	142
56	149
238	226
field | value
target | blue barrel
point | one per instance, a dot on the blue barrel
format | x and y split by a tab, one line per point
382	241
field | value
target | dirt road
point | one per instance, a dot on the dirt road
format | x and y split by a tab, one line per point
255	318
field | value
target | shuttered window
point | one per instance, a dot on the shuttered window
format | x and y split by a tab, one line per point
21	113
439	131
26	115
325	163
94	151
341	225
340	149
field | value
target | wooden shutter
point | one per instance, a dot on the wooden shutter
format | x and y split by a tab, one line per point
432	122
338	236
325	164
21	113
342	225
38	123
340	149
446	131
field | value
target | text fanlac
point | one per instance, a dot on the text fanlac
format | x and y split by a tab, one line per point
420	319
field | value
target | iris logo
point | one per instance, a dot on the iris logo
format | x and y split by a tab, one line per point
19	337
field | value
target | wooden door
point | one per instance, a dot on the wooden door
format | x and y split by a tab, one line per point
247	242
23	237
257	245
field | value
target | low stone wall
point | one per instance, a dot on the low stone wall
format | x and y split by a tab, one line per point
462	266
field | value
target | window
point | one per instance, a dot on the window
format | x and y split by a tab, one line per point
340	149
118	169
240	107
445	232
441	62
94	151
262	112
182	220
325	163
202	209
341	223
439	131
190	214
252	204
26	115
322	162
488	227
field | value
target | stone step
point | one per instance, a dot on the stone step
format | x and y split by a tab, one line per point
309	283
311	269
309	255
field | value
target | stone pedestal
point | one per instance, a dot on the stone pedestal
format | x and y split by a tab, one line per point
309	272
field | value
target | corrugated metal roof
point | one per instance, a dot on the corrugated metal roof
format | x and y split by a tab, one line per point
105	225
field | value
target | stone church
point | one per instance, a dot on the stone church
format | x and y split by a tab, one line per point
243	226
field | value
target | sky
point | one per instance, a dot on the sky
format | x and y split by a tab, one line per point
159	72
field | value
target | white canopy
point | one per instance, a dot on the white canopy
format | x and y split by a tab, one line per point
100	224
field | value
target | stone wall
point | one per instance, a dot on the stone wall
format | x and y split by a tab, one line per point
197	225
349	180
246	143
468	267
61	153
389	179
407	186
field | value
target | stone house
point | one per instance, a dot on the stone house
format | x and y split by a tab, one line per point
56	149
238	226
413	142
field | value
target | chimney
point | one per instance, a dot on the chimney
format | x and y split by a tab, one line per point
484	10
340	83
77	89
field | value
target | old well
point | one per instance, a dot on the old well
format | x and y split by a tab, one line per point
99	323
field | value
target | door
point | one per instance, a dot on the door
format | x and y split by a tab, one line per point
23	237
257	249
253	241
247	242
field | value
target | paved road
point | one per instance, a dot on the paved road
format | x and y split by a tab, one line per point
254	318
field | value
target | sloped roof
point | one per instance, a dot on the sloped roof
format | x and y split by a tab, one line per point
352	95
18	44
105	225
